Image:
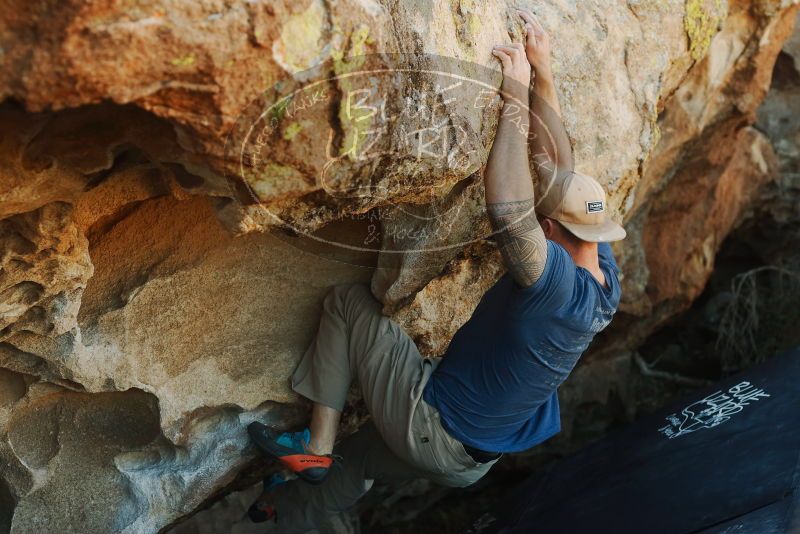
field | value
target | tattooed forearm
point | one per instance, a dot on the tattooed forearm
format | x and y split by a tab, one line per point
520	238
509	201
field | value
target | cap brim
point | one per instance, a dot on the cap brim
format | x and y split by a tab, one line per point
604	232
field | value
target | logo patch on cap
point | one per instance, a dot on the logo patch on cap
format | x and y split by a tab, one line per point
595	207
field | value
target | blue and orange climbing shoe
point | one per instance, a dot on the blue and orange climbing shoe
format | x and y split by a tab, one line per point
290	449
262	511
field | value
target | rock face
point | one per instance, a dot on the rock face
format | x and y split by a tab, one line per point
158	281
778	118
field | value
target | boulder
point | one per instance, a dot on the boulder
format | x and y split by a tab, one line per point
181	182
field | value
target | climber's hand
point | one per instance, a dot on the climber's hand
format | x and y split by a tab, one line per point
516	70
537	44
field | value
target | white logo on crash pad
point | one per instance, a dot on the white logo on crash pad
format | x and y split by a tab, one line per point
712	410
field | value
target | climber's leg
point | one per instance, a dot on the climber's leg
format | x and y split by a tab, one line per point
352	331
324	423
351	327
355	340
365	458
353	335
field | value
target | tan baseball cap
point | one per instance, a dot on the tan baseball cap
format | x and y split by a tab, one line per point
578	202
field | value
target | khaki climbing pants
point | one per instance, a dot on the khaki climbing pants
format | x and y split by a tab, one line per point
403	441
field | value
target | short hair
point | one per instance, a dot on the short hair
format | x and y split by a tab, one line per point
572	238
575	240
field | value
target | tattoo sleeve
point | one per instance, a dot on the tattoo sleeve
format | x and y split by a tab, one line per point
520	239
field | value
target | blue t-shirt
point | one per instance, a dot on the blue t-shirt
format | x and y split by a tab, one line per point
496	387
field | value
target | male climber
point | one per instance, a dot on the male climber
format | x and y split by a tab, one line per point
449	419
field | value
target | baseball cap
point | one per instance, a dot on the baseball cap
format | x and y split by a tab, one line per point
578	202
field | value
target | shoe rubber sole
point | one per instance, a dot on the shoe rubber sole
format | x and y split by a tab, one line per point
309	467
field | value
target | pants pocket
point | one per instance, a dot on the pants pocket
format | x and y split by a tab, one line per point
456	448
424	446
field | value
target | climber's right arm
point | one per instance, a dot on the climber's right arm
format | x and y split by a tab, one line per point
549	144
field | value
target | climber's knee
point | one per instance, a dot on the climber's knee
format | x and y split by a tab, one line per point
350	289
349	295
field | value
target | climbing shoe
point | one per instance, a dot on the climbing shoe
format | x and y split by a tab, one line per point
259	512
290	449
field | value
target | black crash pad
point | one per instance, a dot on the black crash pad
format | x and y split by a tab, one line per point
724	460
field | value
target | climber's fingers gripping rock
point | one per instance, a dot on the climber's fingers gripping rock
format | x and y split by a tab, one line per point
537	43
516	70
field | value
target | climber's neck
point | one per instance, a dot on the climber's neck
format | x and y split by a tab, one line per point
584	254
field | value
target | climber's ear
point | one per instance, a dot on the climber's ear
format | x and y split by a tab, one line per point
548	226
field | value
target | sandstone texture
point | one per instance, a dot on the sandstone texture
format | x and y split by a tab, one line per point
170	221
